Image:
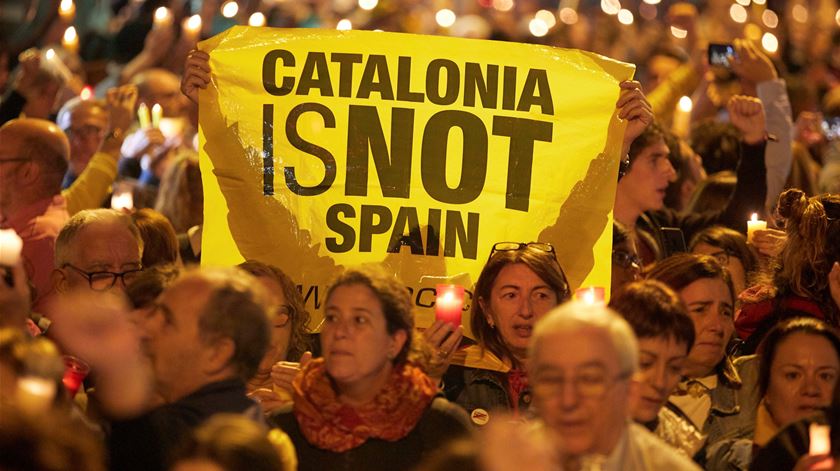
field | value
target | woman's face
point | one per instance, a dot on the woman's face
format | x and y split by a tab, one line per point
802	377
661	364
709	304
355	342
281	324
730	262
626	266
518	298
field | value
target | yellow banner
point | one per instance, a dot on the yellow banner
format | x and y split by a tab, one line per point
326	149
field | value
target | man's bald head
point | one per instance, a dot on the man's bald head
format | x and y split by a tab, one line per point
42	142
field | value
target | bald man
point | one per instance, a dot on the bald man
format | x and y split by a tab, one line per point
33	161
85	122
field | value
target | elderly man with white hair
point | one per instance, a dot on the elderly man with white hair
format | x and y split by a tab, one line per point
583	358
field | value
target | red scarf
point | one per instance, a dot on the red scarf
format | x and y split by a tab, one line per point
391	415
517	384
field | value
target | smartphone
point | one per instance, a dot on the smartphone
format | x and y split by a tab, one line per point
831	127
672	241
721	55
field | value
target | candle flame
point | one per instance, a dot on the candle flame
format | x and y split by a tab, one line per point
65	6
50	54
161	14
194	23
685	104
754	217
86	93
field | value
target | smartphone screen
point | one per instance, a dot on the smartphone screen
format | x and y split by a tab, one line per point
721	55
831	127
672	240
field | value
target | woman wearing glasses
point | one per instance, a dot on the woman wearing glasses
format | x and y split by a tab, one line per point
718	396
517	286
289	335
806	279
731	250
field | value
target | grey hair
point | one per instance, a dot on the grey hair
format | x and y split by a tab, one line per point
82	219
575	315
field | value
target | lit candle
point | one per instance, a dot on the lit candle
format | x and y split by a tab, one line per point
820	439
10	247
162	17
67	10
192	27
157	113
122	201
34	394
682	117
86	93
143	116
70	40
449	302
75	371
591	295
754	224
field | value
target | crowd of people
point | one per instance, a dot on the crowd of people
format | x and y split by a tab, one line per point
719	348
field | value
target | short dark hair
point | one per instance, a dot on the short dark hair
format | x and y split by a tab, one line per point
233	442
654	310
392	295
542	263
649	136
718	144
770	344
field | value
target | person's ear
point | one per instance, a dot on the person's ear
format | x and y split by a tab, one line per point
59	281
217	355
31	174
485	309
398	339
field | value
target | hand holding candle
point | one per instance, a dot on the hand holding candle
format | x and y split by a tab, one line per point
753	225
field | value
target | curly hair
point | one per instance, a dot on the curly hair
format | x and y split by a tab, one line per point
812	226
299	341
392	295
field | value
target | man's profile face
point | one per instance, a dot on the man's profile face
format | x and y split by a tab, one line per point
646	182
172	340
88	125
102	247
580	391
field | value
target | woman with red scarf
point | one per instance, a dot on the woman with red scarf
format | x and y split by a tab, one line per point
364	405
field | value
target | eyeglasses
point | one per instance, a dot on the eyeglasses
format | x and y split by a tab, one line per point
105	280
626	259
589	386
16	159
514	246
722	256
86	131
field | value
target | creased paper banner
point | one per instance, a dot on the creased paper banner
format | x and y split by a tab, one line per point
326	149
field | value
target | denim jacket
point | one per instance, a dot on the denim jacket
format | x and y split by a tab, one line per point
475	388
733	410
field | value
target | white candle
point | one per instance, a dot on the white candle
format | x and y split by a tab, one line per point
192	27
754	224
122	201
820	439
157	113
682	117
591	295
67	10
143	115
162	17
35	395
70	40
10	247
